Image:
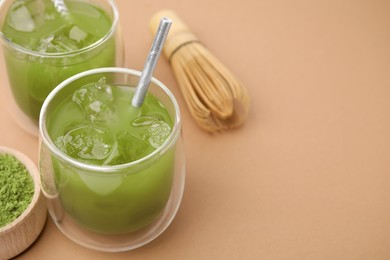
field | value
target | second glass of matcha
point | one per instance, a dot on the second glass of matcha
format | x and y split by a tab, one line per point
45	43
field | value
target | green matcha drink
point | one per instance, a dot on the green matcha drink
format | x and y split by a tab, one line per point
97	125
118	170
43	47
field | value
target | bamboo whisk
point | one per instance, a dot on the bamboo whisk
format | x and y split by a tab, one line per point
215	98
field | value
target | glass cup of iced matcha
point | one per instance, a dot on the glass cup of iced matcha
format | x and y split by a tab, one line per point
43	45
112	174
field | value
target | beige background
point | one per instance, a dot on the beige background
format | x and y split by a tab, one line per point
308	175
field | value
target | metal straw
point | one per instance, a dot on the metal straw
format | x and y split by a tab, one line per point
151	61
61	7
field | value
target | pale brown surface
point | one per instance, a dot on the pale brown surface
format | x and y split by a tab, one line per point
308	175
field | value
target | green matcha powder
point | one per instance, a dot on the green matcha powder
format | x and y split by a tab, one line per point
16	189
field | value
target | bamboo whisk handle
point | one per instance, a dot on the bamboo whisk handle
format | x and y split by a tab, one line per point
179	34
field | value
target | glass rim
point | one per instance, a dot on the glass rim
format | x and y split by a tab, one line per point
102	40
46	139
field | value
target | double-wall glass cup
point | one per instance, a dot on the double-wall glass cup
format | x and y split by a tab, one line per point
110	207
42	46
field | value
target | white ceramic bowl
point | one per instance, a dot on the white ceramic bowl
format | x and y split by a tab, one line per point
18	235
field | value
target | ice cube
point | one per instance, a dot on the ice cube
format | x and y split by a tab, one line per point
20	18
144	121
158	133
95	99
77	34
156	130
87	143
62	43
95	106
45	44
56	42
131	148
